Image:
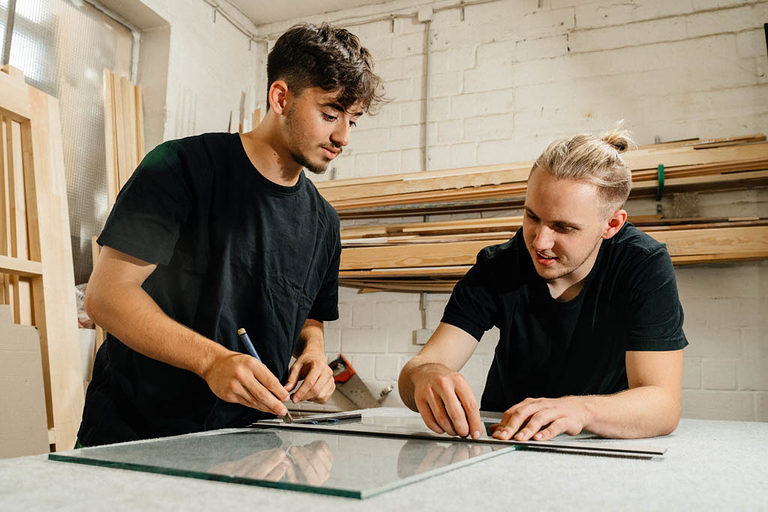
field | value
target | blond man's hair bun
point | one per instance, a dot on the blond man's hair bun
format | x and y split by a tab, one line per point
617	138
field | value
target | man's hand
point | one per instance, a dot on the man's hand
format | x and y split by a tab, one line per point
242	379
445	401
311	463
542	419
265	465
312	367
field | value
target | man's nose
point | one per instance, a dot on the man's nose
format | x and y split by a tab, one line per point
340	136
544	239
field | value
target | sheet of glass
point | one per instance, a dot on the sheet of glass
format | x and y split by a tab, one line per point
347	465
412	426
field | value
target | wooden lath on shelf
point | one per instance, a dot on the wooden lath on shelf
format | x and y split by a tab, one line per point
123	130
729	163
432	256
36	275
435	262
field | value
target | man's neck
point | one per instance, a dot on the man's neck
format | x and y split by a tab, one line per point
570	285
269	156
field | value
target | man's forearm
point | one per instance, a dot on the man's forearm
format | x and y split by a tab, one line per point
644	411
130	314
311	338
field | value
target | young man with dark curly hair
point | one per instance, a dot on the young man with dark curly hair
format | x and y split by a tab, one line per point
223	231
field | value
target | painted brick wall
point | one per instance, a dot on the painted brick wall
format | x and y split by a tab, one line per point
513	75
209	65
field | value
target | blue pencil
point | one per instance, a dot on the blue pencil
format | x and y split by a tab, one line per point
252	351
247	342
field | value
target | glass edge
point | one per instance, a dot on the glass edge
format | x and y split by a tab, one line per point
143	468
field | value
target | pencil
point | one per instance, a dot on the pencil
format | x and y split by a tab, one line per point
252	351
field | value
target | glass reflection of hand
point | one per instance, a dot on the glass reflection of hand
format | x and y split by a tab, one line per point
417	456
311	463
265	465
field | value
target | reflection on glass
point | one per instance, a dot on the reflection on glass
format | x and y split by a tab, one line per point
309	464
419	457
296	460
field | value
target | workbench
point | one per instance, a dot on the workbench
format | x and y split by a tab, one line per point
719	465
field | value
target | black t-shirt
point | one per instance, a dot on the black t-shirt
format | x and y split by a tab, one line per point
547	348
233	249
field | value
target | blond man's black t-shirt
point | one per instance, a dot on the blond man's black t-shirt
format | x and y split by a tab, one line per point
233	249
551	349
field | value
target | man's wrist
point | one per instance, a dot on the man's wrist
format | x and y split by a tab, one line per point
315	344
211	353
590	408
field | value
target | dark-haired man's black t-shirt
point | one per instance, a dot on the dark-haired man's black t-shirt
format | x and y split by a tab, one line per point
233	249
551	349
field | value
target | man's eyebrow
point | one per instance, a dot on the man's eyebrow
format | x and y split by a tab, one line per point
564	224
558	223
338	107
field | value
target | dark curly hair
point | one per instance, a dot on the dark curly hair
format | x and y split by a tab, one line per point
328	57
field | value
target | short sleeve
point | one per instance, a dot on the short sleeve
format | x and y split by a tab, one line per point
473	306
655	315
151	208
326	305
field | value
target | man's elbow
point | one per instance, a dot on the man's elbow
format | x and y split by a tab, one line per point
92	303
670	419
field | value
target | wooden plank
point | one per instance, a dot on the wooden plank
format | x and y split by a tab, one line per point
121	135
13	91
748	241
5	283
128	132
139	125
129	101
55	309
20	267
486	183
110	138
446	271
421	175
446	182
17	219
730	240
421	255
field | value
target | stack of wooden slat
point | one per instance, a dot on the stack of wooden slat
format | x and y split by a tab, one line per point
433	256
124	141
695	165
123	130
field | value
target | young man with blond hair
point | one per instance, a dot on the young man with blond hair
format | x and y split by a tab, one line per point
587	307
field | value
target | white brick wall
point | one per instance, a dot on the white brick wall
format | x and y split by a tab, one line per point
513	76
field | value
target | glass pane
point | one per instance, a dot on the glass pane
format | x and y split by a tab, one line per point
348	465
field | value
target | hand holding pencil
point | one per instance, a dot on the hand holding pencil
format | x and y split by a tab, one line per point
242	378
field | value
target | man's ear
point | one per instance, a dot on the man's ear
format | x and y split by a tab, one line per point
615	222
278	96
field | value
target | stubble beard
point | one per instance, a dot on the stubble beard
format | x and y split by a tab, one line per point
566	271
297	139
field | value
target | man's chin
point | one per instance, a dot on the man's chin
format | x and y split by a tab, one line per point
317	170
